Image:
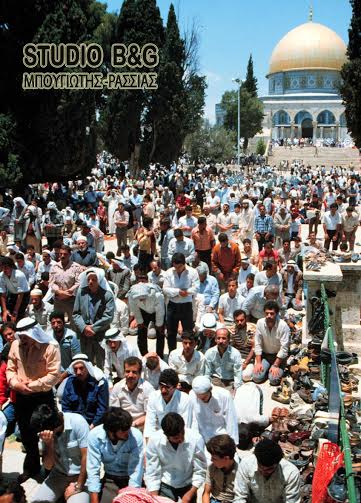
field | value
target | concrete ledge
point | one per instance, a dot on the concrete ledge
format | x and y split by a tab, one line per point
330	272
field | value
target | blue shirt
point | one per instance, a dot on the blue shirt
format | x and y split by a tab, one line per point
92	404
69	347
263	224
67	445
228	366
210	289
123	459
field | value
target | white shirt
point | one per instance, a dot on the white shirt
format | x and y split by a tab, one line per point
173	283
154	303
185	246
187	222
216	417
331	221
274	342
242	276
229	305
251	394
158	408
135	402
179	467
17	282
186	371
121	317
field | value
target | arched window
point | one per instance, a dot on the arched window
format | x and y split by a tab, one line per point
301	116
343	122
281	118
326	117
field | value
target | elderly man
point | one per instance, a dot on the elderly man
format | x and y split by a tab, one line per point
119	448
119	274
84	255
93	313
210	218
117	350
153	366
226	259
167	399
271	345
258	296
132	392
38	309
86	391
33	369
64	282
208	287
146	303
214	409
175	461
223	363
204	240
181	284
181	244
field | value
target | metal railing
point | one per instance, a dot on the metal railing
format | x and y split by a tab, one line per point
325	377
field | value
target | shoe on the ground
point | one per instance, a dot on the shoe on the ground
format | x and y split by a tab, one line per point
281	397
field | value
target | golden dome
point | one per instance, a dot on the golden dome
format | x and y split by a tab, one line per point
309	46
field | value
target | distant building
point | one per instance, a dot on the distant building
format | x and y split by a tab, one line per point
220	115
304	77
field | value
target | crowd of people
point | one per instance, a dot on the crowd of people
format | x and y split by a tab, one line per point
207	271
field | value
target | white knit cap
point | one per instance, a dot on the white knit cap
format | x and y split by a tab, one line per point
201	384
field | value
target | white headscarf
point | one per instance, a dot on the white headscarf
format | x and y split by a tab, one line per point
103	283
35	332
52	206
92	369
19	200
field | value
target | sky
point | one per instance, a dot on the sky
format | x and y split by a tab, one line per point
229	31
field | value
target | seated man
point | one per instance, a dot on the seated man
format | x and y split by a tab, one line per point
86	392
223	363
241	340
132	392
246	288
269	275
271	346
229	302
213	408
208	286
153	366
119	447
175	461
266	473
207	332
85	256
221	473
167	399
65	440
38	309
117	350
186	361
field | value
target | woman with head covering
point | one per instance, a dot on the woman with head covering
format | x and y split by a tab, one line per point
93	313
52	224
19	219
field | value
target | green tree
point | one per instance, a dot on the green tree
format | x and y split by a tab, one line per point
10	172
351	75
250	83
251	114
54	135
213	143
122	120
260	147
168	108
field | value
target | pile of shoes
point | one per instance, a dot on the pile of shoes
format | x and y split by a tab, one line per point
292	430
315	259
